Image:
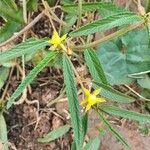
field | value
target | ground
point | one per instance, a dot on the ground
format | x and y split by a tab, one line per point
26	122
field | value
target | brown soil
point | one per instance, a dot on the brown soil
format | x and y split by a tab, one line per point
26	123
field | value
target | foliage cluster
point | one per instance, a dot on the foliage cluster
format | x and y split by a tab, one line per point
119	58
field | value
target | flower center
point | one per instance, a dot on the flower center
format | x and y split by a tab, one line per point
92	97
57	41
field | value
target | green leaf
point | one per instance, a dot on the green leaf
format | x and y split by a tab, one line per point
4	72
144	81
114	131
147	6
10	13
70	19
3	132
66	2
99	6
116	68
13	19
49	57
127	55
32	5
113	110
146	93
56	133
24	48
73	145
8	29
93	144
98	75
107	23
94	65
84	125
9	3
71	91
112	94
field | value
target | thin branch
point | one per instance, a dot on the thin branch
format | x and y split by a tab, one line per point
30	25
79	13
53	14
109	37
48	14
24	5
137	94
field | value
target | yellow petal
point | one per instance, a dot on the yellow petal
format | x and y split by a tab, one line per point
83	102
63	47
63	37
101	100
55	36
56	39
88	107
86	92
96	92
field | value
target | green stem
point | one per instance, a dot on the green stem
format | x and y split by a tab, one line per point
111	36
79	12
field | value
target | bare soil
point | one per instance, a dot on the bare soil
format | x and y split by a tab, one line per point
26	122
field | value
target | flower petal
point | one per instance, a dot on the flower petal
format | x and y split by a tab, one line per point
55	36
88	107
96	92
101	100
86	92
63	37
83	102
63	47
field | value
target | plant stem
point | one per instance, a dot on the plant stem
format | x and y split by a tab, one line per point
77	75
79	13
111	36
24	10
137	94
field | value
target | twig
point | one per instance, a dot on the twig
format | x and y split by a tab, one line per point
137	94
79	13
12	146
31	24
128	4
111	36
141	9
7	84
37	112
77	75
47	14
24	4
24	94
55	17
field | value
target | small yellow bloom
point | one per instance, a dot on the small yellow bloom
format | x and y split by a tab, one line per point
57	41
91	98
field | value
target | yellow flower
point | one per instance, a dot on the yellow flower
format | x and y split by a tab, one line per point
57	41
91	98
